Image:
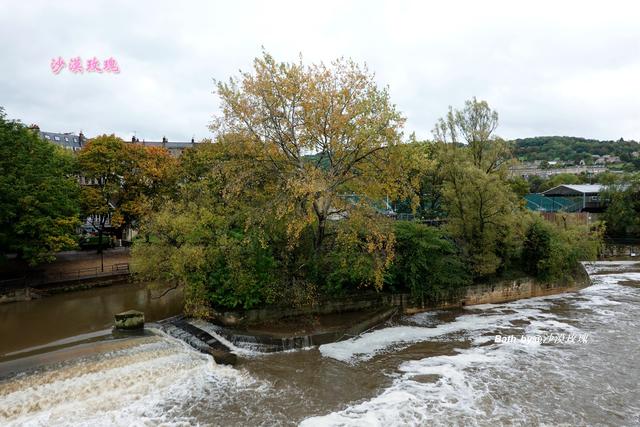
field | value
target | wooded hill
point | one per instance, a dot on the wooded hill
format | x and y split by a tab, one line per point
569	148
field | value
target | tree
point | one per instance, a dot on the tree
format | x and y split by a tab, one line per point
519	185
212	236
476	194
125	181
474	126
423	172
537	247
622	217
336	113
427	264
102	163
553	252
481	212
39	203
296	179
148	178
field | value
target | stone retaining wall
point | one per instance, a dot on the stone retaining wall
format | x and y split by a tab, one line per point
494	292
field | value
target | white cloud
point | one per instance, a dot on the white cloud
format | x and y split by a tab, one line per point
568	68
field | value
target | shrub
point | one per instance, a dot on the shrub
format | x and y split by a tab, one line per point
553	251
426	263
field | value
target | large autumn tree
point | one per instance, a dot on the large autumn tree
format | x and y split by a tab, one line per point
337	113
292	186
38	195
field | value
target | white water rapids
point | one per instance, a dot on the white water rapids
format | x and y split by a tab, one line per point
442	368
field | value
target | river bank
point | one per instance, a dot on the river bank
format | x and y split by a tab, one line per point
489	292
71	271
439	367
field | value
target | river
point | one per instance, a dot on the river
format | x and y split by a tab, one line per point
437	368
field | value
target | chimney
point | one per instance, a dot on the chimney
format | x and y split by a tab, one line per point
164	141
81	138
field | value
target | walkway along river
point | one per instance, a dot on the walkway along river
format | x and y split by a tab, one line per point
436	368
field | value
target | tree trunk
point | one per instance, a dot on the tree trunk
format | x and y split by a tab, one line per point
100	240
320	234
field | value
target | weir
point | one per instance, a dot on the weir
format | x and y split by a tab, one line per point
222	342
442	366
199	339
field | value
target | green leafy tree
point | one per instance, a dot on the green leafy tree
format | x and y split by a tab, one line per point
123	182
537	247
481	207
474	126
207	238
102	163
622	216
427	264
39	195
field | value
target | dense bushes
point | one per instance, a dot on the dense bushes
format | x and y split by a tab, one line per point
426	263
553	251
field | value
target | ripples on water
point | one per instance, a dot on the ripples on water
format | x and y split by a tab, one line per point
439	368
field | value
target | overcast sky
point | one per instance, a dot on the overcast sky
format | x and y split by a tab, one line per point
548	68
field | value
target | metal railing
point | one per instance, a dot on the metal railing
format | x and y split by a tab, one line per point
38	278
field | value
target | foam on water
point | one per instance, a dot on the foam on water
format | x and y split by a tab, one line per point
158	380
610	266
492	383
144	383
433	390
471	326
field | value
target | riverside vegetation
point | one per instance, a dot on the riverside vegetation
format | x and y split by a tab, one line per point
290	200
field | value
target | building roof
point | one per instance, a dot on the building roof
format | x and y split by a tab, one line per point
540	203
574	190
75	142
168	144
65	139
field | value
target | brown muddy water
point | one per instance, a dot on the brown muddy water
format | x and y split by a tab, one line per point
437	368
52	321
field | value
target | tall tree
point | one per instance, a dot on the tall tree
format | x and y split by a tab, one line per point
148	178
474	126
302	159
124	181
479	202
38	195
335	112
622	217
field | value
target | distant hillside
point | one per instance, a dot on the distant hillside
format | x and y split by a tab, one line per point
569	148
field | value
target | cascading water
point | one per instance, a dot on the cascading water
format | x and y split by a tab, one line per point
438	368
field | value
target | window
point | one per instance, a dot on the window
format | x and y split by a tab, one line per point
66	139
57	138
47	136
